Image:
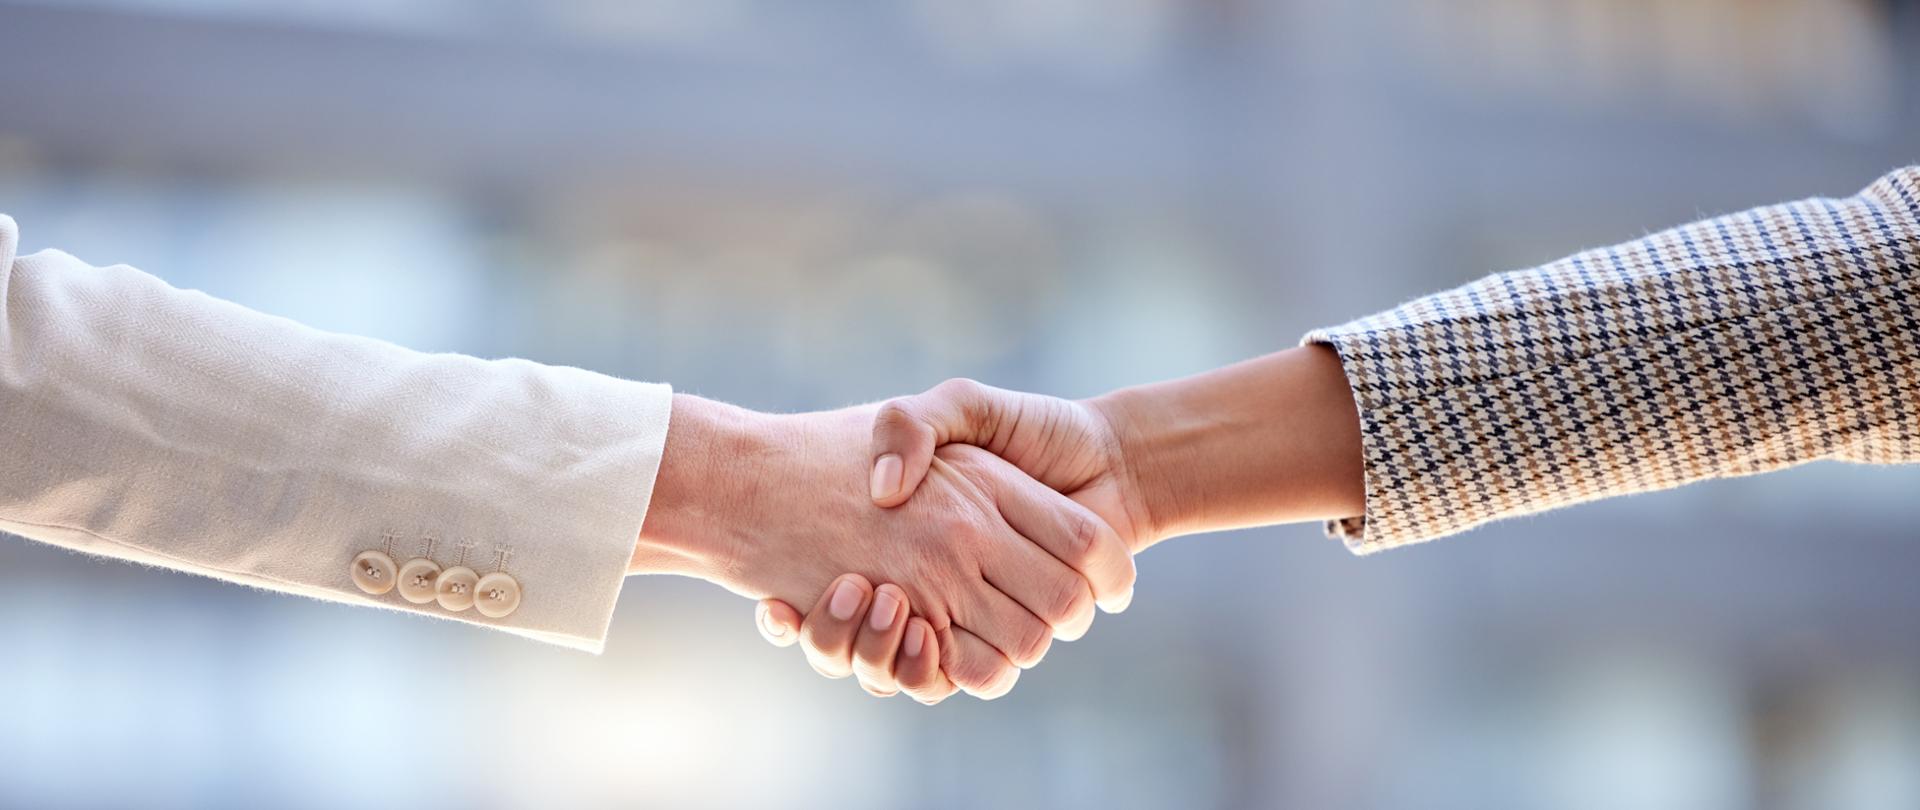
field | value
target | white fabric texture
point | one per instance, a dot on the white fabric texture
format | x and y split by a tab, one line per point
170	428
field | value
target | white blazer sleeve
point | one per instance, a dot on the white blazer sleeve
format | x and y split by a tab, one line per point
166	427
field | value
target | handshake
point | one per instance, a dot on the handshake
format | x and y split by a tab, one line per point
942	541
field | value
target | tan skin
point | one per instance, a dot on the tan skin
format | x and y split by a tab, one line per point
1271	440
993	564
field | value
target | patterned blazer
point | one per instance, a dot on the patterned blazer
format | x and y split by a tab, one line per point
1733	346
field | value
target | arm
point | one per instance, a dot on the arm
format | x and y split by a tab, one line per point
169	428
1732	346
1727	347
1270	440
166	427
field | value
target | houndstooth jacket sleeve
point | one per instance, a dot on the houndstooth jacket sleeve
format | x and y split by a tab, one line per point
1733	346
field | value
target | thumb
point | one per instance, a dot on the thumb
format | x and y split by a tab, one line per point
907	430
778	621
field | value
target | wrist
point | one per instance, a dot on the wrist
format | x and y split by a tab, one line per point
1270	440
1151	505
706	480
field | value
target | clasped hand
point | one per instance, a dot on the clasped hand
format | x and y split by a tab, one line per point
940	542
991	522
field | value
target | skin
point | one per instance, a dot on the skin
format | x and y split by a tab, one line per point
890	651
990	562
1271	440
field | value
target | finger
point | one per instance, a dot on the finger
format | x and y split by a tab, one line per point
1046	587
999	620
907	430
917	667
878	643
778	621
974	665
827	635
1073	534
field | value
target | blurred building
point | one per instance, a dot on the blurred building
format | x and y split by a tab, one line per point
797	206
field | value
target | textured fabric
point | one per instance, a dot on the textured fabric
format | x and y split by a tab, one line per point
1733	346
166	427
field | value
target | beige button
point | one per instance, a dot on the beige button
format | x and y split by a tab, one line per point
373	572
497	595
419	578
455	588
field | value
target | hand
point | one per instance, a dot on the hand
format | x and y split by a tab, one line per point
775	506
1269	440
1068	446
1071	447
888	650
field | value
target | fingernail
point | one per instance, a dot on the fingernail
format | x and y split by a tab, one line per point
916	638
887	471
884	608
767	623
846	600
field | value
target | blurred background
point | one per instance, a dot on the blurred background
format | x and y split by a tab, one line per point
805	205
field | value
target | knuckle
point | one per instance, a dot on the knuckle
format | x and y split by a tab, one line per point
1001	686
958	387
975	672
1070	599
1032	643
894	415
957	526
971	403
1083	539
965	538
939	622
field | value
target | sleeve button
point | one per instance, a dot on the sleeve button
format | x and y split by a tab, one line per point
373	572
455	588
497	595
418	580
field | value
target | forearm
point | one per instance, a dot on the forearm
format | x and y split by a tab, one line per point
743	497
708	477
164	426
1732	346
1271	440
